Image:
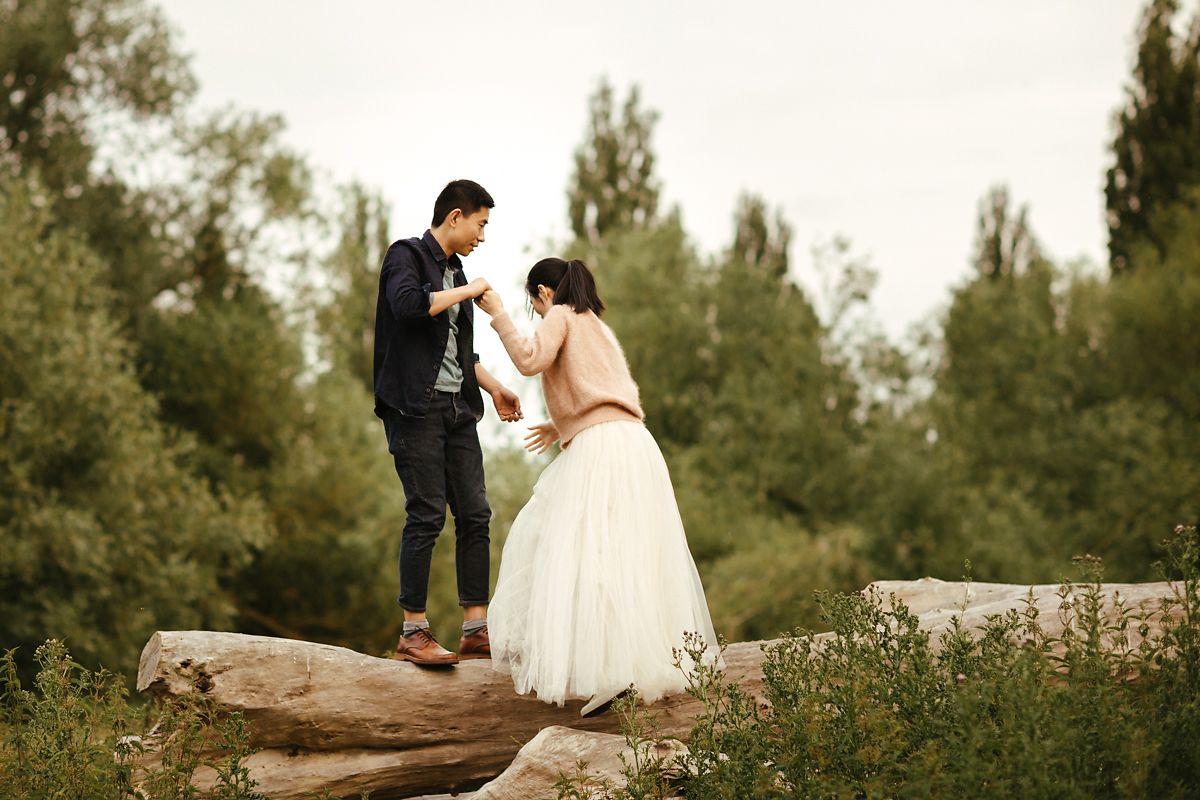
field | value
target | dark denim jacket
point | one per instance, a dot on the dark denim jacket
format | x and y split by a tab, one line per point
409	343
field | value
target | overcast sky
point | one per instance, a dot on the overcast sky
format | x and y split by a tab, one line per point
882	121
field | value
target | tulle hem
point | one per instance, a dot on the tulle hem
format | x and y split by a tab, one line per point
597	587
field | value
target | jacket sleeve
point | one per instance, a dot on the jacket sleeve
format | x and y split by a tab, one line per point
533	355
407	297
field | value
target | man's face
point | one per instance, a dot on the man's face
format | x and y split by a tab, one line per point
468	231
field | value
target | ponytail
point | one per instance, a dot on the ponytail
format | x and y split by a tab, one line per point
577	289
571	281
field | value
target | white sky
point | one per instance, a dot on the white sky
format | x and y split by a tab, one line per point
883	121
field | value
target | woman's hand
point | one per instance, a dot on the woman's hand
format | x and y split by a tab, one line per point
540	437
490	302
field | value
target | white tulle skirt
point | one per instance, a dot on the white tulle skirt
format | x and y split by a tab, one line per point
597	586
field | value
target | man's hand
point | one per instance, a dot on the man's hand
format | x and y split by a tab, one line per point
479	286
508	405
490	302
540	437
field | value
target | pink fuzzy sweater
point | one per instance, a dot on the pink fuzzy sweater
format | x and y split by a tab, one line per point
584	374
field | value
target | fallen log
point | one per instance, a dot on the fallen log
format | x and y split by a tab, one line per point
937	603
330	718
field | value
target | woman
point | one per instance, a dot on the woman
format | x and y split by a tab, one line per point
597	586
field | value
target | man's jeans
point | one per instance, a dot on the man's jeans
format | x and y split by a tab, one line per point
439	461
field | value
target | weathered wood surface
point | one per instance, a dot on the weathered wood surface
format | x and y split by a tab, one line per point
937	602
330	718
557	751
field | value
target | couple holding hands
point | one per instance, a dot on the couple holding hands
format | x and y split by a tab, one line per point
596	585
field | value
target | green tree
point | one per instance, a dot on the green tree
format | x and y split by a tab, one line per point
243	196
999	410
347	317
775	428
79	76
231	370
1152	479
185	260
220	352
64	62
1153	338
1004	244
329	573
106	535
613	186
1063	413
769	481
226	371
766	585
1157	144
759	241
998	344
959	475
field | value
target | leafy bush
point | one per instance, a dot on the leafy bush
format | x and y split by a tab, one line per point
1107	709
68	738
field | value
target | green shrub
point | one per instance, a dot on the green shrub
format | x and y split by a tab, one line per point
68	738
1102	711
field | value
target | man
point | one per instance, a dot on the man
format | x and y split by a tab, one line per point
427	392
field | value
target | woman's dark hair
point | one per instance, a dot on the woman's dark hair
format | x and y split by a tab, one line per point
571	281
467	196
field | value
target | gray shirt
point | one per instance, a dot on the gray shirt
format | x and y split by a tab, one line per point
450	375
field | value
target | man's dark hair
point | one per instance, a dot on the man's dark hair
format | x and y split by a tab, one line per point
466	196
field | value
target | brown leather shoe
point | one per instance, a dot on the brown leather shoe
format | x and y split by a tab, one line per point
420	647
475	645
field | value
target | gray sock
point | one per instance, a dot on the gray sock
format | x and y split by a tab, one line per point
413	627
473	625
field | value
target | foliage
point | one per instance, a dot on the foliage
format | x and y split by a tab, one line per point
66	62
64	739
347	318
185	442
106	535
1152	334
613	187
1156	158
87	84
765	585
1064	413
337	510
875	710
1004	245
68	738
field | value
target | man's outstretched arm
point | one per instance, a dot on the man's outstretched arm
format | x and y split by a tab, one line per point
508	405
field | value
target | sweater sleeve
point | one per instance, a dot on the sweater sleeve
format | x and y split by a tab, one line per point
533	355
